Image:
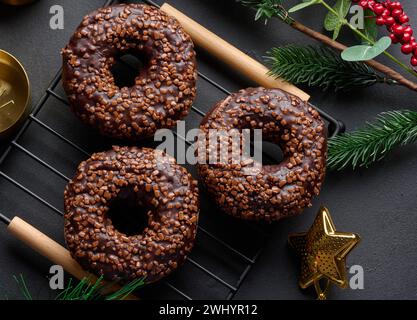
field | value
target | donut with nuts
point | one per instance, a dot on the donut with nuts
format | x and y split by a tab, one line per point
151	180
271	192
165	88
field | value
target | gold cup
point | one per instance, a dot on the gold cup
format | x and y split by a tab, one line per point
14	94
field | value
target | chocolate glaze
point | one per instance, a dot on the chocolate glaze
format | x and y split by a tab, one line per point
155	182
274	191
165	88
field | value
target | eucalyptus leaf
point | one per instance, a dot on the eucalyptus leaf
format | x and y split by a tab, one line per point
366	52
336	31
334	22
302	5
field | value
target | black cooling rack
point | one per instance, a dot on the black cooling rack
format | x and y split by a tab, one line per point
221	259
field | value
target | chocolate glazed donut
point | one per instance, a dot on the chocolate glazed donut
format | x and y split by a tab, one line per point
149	179
165	88
274	191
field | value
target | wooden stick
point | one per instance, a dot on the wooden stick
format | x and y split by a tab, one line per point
229	54
52	250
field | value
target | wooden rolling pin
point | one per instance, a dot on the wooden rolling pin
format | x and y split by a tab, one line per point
231	55
52	250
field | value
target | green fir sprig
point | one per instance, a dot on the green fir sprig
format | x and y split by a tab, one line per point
371	143
321	67
86	289
23	287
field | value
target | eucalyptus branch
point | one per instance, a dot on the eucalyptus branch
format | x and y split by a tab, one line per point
267	9
364	37
371	143
265	6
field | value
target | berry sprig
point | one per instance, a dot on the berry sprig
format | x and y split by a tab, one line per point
392	15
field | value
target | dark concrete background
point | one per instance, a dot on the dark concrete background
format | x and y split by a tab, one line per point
379	203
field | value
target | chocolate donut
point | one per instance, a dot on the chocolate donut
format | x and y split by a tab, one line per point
270	192
163	91
153	181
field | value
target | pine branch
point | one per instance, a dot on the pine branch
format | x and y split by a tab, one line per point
371	143
86	289
321	67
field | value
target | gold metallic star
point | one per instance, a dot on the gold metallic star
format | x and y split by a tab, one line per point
323	252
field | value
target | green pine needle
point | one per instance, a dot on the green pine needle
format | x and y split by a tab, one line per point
87	290
266	9
23	288
321	67
126	290
84	290
371	143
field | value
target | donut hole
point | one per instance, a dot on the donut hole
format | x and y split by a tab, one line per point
128	214
127	67
271	153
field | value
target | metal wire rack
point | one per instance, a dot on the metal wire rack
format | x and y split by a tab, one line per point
176	282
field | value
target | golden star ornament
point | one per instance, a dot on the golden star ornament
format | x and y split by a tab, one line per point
323	253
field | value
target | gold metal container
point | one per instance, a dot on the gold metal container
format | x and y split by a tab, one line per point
14	94
16	2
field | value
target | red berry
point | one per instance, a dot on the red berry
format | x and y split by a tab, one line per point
385	14
398	29
389	21
396	13
378	9
394	38
391	14
409	30
404	19
380	21
394	5
406	37
406	48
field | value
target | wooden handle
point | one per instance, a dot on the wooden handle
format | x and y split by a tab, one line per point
52	250
231	55
46	247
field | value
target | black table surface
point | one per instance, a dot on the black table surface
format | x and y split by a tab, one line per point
379	203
